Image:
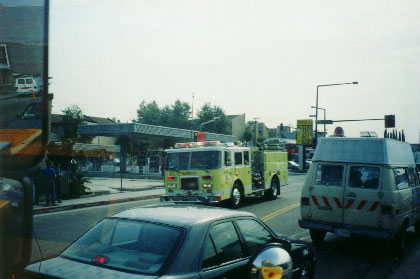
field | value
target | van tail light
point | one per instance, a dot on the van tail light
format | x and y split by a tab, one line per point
35	87
169	178
304	201
386	209
16	88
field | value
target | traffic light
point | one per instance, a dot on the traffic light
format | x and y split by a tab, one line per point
390	121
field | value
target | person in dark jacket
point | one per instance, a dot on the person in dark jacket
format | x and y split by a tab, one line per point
49	176
58	182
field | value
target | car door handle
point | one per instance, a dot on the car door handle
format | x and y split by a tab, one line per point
351	195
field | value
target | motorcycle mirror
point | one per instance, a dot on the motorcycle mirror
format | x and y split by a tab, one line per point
271	261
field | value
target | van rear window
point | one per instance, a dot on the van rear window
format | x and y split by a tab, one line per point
29	81
364	177
21	81
329	175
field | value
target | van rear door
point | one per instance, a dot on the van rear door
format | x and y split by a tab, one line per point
361	196
326	192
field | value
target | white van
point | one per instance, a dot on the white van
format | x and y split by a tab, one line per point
29	85
361	186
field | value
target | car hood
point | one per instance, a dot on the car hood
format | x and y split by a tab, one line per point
64	268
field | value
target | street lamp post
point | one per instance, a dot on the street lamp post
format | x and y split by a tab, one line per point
316	115
204	123
325	118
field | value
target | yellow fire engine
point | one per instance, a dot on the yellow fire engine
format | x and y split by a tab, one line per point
210	172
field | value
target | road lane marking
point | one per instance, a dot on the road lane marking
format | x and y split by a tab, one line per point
301	233
278	212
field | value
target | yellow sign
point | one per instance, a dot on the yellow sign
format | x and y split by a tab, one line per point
304	134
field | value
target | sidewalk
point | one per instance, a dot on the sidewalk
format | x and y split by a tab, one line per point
107	191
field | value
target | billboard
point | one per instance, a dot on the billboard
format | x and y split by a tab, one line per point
304	135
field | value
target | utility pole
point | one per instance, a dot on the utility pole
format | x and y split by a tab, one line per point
192	116
255	130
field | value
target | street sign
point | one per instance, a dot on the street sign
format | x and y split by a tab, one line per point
304	134
325	122
339	132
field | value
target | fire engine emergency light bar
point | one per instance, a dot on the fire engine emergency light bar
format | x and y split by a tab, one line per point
202	144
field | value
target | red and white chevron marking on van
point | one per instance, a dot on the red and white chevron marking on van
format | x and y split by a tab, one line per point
349	205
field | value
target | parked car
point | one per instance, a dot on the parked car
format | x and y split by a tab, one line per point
293	165
177	241
29	85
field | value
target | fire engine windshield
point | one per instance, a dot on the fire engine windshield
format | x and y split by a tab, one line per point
196	160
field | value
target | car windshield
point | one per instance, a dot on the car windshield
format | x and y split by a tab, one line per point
127	245
196	160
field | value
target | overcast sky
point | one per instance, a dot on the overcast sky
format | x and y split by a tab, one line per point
261	58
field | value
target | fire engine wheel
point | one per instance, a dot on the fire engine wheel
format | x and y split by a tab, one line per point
317	236
273	191
236	197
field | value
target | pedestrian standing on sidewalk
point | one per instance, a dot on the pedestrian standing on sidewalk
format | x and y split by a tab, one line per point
49	176
58	182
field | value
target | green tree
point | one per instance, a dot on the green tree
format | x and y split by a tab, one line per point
248	134
180	113
260	139
149	113
73	117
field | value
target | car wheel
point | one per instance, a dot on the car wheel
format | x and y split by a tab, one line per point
272	193
317	236
307	270
400	241
236	197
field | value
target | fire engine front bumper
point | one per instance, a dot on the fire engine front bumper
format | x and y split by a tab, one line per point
338	229
191	199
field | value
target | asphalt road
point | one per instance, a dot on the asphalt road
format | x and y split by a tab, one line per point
13	106
337	257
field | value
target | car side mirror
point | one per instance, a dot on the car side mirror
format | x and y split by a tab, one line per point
271	261
15	224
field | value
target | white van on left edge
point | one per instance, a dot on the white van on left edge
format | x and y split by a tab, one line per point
29	85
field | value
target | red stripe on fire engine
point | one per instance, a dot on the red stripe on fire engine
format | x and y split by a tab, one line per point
315	201
374	206
361	204
337	201
327	203
349	203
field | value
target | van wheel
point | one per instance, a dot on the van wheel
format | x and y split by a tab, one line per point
317	236
236	197
272	193
307	271
400	242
